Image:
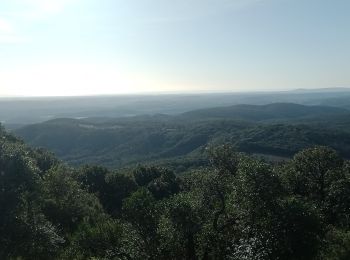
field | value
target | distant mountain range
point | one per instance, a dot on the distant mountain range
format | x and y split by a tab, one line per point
275	111
18	112
335	89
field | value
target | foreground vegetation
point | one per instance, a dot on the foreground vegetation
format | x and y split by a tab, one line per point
236	208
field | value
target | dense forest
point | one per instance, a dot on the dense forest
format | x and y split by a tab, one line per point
234	207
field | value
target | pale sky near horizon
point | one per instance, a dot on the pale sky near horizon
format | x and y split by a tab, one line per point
85	47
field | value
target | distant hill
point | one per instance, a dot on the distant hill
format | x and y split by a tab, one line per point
17	112
276	129
334	89
281	111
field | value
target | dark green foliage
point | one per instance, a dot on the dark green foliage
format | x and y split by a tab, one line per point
179	227
45	160
40	203
338	202
24	229
144	175
66	204
105	239
225	159
110	187
319	176
298	230
119	187
337	245
141	210
316	169
159	181
237	207
93	178
257	191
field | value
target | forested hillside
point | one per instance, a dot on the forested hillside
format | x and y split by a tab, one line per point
236	207
271	130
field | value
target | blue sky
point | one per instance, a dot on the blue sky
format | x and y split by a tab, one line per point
84	47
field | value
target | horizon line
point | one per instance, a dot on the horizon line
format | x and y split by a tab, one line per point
161	93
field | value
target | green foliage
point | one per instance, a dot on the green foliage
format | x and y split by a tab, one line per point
25	230
105	239
316	169
110	187
144	175
45	160
257	186
337	245
224	158
297	230
141	210
160	182
338	203
179	227
237	207
119	187
65	203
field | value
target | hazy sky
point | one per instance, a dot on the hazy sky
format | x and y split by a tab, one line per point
74	47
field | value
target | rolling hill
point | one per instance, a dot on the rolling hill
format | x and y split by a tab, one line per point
276	129
17	112
275	111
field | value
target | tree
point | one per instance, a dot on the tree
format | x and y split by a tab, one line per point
110	187
105	239
144	175
297	230
25	231
179	227
65	203
161	182
140	209
224	158
312	172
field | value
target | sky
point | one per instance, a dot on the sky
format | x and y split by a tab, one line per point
88	47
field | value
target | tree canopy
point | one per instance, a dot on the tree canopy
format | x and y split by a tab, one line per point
236	207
